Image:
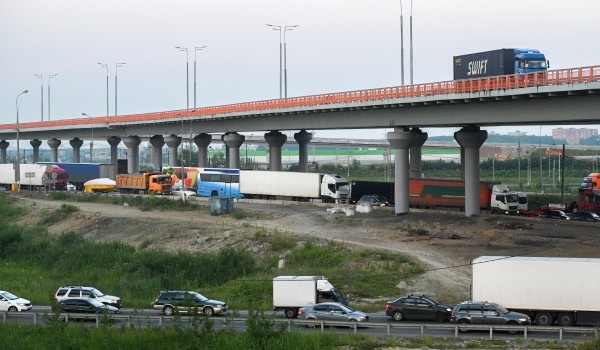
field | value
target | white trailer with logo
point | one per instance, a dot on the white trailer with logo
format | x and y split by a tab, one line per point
550	290
290	293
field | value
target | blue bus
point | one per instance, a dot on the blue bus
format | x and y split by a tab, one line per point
214	182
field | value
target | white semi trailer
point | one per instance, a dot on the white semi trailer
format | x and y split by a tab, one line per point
564	291
290	293
31	175
288	185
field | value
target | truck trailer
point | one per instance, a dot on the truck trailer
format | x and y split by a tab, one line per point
290	293
438	193
80	173
33	176
550	290
499	62
288	185
144	183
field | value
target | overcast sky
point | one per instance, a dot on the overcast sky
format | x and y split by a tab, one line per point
340	45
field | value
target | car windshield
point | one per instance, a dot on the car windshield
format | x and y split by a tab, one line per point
199	296
96	292
9	296
501	309
96	303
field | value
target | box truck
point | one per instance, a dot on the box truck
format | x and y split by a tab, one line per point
499	62
33	176
290	293
550	290
288	185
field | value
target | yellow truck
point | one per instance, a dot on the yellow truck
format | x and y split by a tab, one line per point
144	183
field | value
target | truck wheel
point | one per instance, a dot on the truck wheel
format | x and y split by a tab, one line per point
544	319
397	316
214	194
151	193
291	313
439	317
566	319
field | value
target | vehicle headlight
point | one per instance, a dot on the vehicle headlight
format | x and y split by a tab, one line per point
21	304
449	310
523	319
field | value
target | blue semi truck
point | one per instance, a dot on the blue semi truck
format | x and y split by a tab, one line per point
499	62
80	173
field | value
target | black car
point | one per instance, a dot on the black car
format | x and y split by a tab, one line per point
417	307
584	216
86	305
554	214
172	301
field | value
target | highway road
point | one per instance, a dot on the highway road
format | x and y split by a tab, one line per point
379	325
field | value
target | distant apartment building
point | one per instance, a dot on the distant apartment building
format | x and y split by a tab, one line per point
573	136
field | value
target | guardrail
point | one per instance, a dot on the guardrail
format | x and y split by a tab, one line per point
387	329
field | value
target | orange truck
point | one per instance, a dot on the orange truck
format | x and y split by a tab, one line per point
144	183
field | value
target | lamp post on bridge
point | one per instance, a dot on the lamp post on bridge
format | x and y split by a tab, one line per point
41	94
49	77
18	166
196	49
104	65
187	78
282	56
92	142
117	65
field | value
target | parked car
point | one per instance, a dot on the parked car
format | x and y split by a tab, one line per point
417	307
172	301
482	312
584	216
12	303
374	199
554	214
73	292
71	187
86	305
332	312
176	191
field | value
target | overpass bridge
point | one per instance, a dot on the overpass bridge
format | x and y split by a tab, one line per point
566	96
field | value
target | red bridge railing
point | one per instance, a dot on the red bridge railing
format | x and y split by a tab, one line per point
570	76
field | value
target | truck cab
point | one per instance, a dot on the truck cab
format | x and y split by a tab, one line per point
334	188
529	61
504	201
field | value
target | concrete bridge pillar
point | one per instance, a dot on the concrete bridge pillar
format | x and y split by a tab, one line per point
35	143
76	144
233	141
157	142
471	138
202	140
132	143
303	138
173	141
416	168
275	139
3	146
114	141
401	140
53	143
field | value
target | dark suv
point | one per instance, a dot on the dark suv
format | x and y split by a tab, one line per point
482	312
554	214
417	307
172	301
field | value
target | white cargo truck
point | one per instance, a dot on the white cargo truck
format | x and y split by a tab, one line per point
290	293
31	175
564	291
288	185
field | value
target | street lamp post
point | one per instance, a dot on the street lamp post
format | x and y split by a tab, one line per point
41	94
196	49
18	167
49	77
117	65
282	57
104	65
187	78
540	150
92	142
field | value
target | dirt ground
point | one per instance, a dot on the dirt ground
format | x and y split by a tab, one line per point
443	242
